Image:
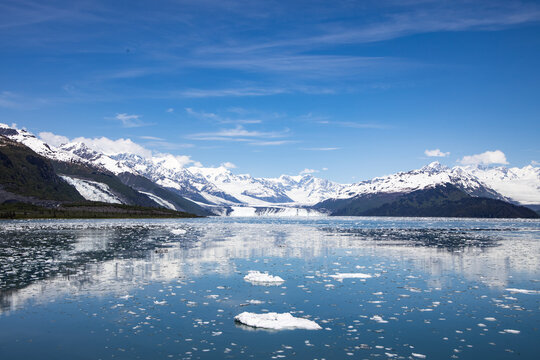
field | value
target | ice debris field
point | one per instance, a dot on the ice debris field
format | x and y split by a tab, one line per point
270	288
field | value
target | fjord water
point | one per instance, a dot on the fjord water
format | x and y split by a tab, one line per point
162	289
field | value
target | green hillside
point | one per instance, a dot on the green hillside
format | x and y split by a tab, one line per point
439	201
23	172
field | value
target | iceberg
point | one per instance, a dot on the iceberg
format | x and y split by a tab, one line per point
342	276
276	321
259	278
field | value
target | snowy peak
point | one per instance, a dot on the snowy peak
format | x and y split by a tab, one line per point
427	176
37	145
434	167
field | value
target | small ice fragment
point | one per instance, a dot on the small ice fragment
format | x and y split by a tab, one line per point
523	291
378	319
160	302
178	231
276	321
255	302
490	319
257	277
341	276
419	356
510	331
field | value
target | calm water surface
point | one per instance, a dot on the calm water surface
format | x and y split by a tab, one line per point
169	289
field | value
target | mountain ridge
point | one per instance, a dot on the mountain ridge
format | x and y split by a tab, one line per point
218	189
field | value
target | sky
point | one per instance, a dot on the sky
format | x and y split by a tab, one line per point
346	90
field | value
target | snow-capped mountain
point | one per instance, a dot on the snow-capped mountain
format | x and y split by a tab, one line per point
428	176
307	189
220	188
95	158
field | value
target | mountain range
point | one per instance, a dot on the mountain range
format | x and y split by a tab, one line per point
163	181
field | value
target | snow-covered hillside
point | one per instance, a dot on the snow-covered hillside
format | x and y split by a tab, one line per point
26	138
519	184
429	175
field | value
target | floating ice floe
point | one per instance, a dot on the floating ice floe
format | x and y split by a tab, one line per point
511	331
259	278
178	231
418	356
342	276
524	291
255	302
276	321
378	319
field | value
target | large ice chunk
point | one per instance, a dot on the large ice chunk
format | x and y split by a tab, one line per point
276	321
259	278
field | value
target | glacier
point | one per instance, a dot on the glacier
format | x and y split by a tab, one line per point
92	190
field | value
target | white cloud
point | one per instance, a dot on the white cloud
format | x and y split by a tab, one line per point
113	147
535	163
130	121
228	165
436	153
324	169
308	171
53	139
485	158
170	110
119	146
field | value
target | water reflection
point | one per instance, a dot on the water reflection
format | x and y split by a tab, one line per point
44	260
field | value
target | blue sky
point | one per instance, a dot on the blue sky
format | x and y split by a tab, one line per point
348	89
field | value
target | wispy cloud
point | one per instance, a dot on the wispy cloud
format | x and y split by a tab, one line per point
201	114
307	171
238	133
130	121
272	143
8	100
352	124
232	92
321	148
151	138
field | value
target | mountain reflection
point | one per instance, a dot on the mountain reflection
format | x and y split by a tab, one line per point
41	261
